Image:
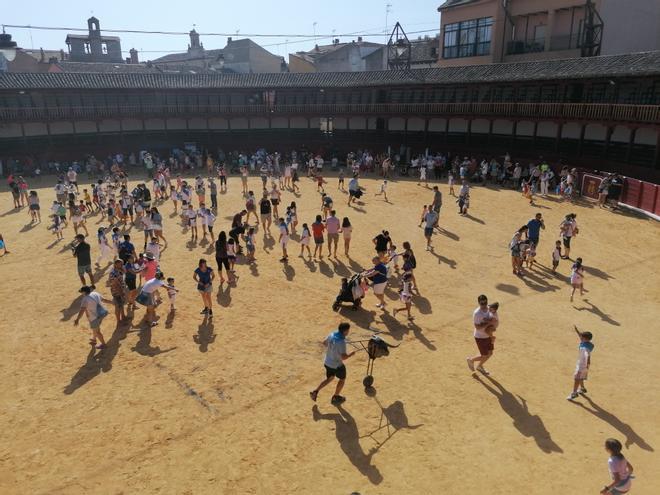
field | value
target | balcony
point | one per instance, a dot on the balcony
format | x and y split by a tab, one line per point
565	42
646	114
520	47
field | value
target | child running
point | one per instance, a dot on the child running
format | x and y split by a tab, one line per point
577	277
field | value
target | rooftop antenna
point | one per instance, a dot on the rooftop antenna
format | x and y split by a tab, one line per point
398	49
388	9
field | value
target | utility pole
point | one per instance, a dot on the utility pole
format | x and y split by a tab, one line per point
388	9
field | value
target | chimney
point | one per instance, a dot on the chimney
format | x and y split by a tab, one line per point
134	56
229	40
316	47
62	57
359	39
42	55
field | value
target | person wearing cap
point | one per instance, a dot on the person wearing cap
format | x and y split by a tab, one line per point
485	323
92	306
82	253
149	267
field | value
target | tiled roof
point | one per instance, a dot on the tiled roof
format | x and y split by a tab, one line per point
636	64
454	3
422	50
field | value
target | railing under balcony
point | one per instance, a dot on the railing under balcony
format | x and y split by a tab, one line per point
534	111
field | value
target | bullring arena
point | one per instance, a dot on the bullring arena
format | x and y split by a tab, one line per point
222	406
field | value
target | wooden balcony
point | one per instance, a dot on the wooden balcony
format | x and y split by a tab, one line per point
583	112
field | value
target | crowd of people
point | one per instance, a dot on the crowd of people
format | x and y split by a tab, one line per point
137	275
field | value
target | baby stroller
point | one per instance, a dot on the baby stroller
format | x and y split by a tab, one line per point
351	292
376	348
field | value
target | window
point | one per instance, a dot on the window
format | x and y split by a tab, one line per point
88	48
467	38
104	48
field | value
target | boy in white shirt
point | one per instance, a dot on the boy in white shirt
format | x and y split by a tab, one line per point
584	361
383	190
208	219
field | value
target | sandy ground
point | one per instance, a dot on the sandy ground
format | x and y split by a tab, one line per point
223	407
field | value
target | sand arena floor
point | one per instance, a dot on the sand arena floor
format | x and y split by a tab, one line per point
223	407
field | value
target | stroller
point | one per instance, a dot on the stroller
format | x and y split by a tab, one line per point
351	292
376	348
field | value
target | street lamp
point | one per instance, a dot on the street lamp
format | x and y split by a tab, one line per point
7	51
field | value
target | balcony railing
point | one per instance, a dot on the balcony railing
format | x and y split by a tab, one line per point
529	46
533	111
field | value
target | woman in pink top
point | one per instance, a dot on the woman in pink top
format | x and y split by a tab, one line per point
150	267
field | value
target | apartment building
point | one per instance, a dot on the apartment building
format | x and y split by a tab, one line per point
490	31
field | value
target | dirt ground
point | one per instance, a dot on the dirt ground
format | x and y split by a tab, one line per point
223	407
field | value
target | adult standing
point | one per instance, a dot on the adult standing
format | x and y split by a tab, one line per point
157	224
118	289
222	257
126	249
335	355
568	229
483	328
347	231
437	203
430	219
82	253
534	227
333	227
131	271
383	242
378	276
204	276
265	211
92	306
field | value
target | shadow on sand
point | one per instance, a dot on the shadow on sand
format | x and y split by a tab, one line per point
526	423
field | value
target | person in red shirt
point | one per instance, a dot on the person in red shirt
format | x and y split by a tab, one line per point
317	232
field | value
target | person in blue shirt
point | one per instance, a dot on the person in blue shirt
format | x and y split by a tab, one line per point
378	276
534	227
335	355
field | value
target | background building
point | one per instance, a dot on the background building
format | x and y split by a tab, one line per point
355	56
93	47
490	31
242	56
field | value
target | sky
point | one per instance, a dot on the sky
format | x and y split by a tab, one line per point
236	18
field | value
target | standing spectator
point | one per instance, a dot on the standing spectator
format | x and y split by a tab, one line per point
82	252
204	276
430	219
92	306
118	289
333	227
534	227
317	231
568	229
335	355
347	231
437	203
